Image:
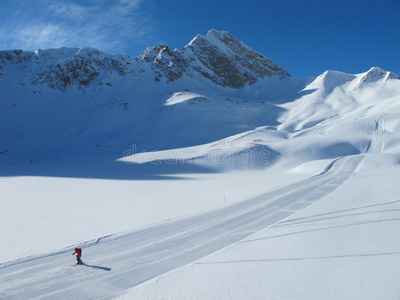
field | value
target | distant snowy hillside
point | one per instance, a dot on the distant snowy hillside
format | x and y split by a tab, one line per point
335	115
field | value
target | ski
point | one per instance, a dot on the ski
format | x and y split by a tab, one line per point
74	265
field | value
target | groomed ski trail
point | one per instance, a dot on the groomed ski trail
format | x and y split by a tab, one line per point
120	262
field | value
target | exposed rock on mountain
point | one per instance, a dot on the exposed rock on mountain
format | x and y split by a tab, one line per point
229	62
218	56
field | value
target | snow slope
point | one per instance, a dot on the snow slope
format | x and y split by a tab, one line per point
344	246
135	257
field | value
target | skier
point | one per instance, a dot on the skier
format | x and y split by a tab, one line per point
78	252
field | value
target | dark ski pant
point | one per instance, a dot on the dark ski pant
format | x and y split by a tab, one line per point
78	258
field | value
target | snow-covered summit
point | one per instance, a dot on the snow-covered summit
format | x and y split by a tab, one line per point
218	57
334	94
330	80
230	61
376	73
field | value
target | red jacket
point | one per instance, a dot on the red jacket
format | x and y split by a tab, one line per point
78	252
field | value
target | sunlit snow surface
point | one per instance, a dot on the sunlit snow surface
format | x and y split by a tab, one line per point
285	189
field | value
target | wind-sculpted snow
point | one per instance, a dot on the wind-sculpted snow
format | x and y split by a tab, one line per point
117	263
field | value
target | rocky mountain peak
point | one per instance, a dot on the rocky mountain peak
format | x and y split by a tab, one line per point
228	61
377	73
218	56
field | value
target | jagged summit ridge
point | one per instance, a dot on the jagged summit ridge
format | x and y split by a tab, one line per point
377	73
217	56
64	67
230	62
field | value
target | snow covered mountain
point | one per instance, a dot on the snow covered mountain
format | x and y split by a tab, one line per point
218	56
73	102
74	91
153	163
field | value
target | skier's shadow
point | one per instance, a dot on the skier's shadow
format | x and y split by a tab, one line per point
97	267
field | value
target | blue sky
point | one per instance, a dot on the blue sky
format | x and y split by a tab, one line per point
305	37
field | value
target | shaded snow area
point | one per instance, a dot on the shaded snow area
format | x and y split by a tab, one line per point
181	180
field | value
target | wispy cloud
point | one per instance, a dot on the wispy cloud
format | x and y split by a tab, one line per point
113	25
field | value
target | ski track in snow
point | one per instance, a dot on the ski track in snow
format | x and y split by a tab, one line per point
118	263
377	143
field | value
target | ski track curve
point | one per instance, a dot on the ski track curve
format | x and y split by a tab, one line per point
377	142
118	263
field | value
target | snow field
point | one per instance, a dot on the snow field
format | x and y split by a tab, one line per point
344	246
53	212
131	259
